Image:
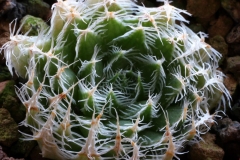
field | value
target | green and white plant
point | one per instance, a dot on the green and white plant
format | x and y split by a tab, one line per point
110	79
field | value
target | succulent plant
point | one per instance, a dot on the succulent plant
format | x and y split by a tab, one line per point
110	79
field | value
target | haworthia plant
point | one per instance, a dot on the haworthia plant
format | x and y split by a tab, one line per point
110	79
